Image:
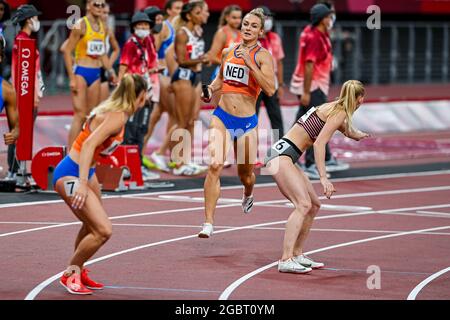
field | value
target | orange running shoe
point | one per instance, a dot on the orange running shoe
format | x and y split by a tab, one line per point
74	285
88	282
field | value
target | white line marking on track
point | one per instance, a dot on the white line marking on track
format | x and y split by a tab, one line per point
434	213
420	286
262	185
232	287
47	282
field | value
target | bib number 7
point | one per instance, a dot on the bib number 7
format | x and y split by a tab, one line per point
70	187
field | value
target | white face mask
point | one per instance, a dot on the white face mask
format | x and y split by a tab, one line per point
35	25
268	24
142	33
333	21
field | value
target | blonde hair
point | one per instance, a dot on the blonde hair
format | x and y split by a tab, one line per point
258	12
350	92
226	12
123	98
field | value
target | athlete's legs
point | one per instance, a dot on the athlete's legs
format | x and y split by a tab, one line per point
309	218
292	185
245	150
95	221
218	148
80	109
184	94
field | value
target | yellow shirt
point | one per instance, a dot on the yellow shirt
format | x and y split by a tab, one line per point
92	44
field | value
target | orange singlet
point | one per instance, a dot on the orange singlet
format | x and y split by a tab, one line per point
232	39
237	77
106	148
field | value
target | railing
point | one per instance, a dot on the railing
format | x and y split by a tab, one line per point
400	52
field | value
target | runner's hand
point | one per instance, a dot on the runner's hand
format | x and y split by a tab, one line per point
244	54
207	100
361	135
80	195
10	138
305	100
328	188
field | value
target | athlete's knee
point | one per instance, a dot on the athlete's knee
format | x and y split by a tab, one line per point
315	207
246	178
303	206
215	168
104	232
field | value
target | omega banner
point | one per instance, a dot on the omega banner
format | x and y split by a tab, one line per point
25	86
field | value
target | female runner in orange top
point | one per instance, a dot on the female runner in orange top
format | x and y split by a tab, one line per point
246	70
75	181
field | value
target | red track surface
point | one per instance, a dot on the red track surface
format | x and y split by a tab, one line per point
193	268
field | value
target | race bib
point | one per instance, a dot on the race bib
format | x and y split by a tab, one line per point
280	146
185	74
70	187
236	73
198	50
110	150
308	114
96	48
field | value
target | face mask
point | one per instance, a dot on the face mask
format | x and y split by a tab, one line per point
330	25
142	33
333	21
157	28
35	25
268	24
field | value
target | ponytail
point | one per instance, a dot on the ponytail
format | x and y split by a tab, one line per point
124	96
347	101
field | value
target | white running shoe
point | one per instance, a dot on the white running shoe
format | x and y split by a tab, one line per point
312	172
199	169
308	262
291	266
207	231
247	204
185	170
333	165
160	162
147	175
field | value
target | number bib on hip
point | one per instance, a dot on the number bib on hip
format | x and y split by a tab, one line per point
236	74
280	146
70	187
185	74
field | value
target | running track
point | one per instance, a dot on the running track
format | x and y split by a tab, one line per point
399	223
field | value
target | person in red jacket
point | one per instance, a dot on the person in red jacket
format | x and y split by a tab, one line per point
311	79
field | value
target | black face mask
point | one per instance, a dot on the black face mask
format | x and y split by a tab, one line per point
157	28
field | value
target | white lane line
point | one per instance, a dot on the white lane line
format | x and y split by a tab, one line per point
434	213
413	294
44	284
151	225
126	217
47	282
30	222
231	288
284	201
33	293
262	185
